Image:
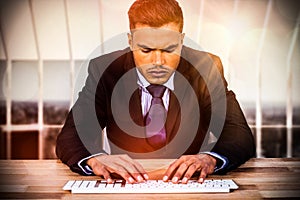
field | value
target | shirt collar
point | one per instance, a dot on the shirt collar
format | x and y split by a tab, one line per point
142	82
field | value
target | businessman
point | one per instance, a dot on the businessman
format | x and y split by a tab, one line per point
156	99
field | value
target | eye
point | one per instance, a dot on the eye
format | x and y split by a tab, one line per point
146	50
169	50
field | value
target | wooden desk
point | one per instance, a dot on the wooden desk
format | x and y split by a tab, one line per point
43	179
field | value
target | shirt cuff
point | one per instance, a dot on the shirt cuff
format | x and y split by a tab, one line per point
85	167
223	160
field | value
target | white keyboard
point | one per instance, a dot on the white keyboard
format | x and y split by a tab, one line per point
150	186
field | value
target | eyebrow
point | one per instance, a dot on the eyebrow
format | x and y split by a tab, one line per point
170	47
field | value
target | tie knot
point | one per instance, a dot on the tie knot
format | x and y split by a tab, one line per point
156	91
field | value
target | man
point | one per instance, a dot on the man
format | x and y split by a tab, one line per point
194	118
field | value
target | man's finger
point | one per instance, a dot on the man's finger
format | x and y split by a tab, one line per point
171	169
189	172
102	171
180	171
121	170
124	166
133	168
202	175
141	170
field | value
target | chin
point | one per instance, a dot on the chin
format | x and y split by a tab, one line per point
157	80
160	82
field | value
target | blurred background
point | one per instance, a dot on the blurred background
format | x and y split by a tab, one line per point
44	43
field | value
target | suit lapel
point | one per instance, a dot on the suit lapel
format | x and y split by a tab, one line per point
173	117
176	98
135	108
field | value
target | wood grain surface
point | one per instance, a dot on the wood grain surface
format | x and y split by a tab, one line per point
259	178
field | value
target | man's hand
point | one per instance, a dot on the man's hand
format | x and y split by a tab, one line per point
123	165
184	167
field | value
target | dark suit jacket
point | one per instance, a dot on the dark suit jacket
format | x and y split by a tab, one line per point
202	116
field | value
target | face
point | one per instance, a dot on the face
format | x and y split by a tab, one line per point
156	51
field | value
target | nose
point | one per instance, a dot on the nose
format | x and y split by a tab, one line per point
158	57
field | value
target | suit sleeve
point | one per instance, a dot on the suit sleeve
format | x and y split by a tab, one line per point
236	140
80	136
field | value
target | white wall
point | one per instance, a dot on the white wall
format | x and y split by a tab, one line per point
228	28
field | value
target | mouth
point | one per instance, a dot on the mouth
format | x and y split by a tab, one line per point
158	73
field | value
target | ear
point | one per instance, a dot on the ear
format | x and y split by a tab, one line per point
182	37
129	36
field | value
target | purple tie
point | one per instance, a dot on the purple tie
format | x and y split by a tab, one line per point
156	117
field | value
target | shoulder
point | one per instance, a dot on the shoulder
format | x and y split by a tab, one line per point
202	60
190	53
110	57
117	61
